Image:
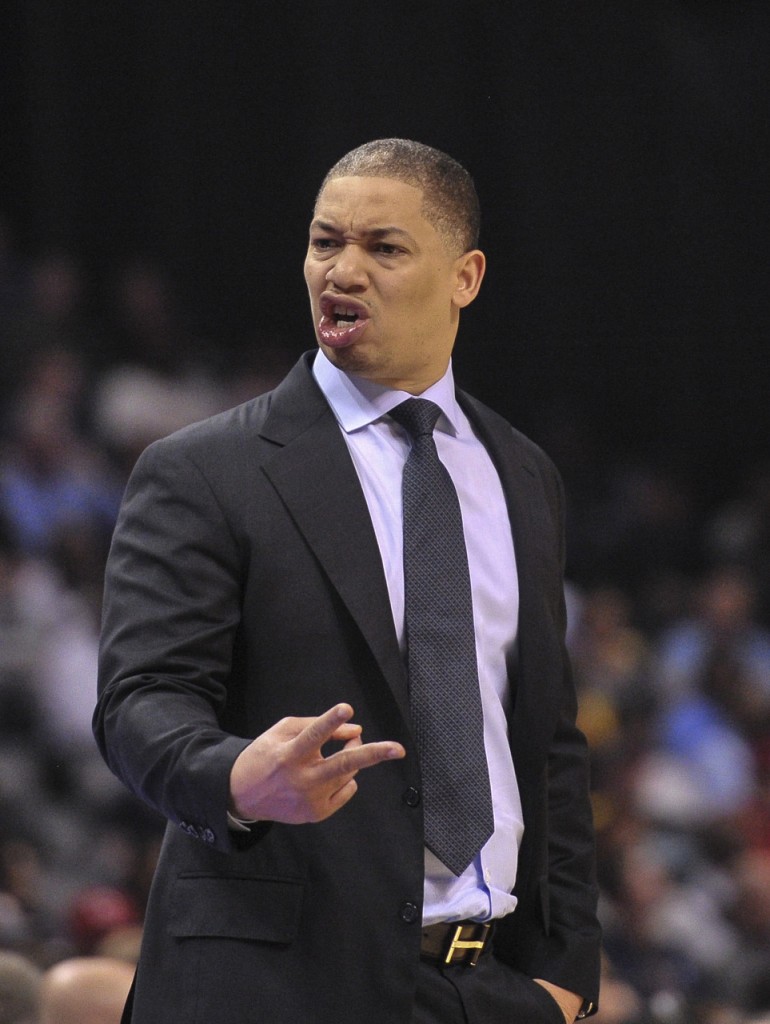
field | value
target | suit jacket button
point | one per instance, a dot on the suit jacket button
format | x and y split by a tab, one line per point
412	797
409	912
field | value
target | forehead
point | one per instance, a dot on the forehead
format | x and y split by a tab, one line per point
364	203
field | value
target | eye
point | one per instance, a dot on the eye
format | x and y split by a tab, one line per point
387	249
323	244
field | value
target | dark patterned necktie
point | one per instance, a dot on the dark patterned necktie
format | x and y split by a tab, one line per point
441	651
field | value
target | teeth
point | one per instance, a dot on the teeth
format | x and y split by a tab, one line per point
344	315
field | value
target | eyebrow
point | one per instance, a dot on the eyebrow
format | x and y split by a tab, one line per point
374	233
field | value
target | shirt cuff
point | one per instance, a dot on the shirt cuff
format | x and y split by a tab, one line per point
240	824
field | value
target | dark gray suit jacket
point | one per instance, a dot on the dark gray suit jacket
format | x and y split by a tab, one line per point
245	584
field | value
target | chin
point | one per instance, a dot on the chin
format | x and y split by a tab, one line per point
352	360
347	355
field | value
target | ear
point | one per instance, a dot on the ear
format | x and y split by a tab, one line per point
469	273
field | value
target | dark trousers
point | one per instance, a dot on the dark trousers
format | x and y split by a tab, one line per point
489	993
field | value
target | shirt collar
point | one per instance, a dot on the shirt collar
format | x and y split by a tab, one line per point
357	402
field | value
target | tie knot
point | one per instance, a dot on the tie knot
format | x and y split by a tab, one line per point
416	415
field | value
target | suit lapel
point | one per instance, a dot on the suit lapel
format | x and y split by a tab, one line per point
314	475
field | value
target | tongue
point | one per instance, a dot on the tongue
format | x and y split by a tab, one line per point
337	336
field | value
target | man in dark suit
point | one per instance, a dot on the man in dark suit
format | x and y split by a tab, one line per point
254	685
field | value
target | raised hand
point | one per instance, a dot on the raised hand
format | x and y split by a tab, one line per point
283	775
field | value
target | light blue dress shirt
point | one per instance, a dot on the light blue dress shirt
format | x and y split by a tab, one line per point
379	448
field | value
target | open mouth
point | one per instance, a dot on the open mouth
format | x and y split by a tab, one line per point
344	316
341	322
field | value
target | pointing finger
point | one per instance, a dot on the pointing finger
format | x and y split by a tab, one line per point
353	758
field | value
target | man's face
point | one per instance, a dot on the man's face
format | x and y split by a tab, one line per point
385	291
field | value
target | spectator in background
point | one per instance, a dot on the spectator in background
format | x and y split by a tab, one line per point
713	687
708	733
747	979
150	326
641	523
85	990
752	821
723	621
98	912
64	671
50	475
22	624
58	501
611	660
738	533
20	981
53	315
164	378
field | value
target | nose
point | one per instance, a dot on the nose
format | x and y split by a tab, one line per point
348	269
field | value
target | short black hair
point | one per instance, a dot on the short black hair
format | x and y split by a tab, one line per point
450	201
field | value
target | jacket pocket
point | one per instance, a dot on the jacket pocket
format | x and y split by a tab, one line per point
217	906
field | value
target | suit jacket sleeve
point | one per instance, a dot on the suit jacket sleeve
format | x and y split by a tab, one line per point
171	612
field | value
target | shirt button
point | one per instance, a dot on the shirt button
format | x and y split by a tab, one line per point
412	797
409	912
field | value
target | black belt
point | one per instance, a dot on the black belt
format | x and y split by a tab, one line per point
460	943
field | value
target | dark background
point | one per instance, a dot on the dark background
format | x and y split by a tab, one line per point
620	151
620	148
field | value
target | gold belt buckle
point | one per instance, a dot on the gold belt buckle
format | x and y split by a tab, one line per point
458	944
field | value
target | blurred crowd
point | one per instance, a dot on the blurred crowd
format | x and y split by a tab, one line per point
669	630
